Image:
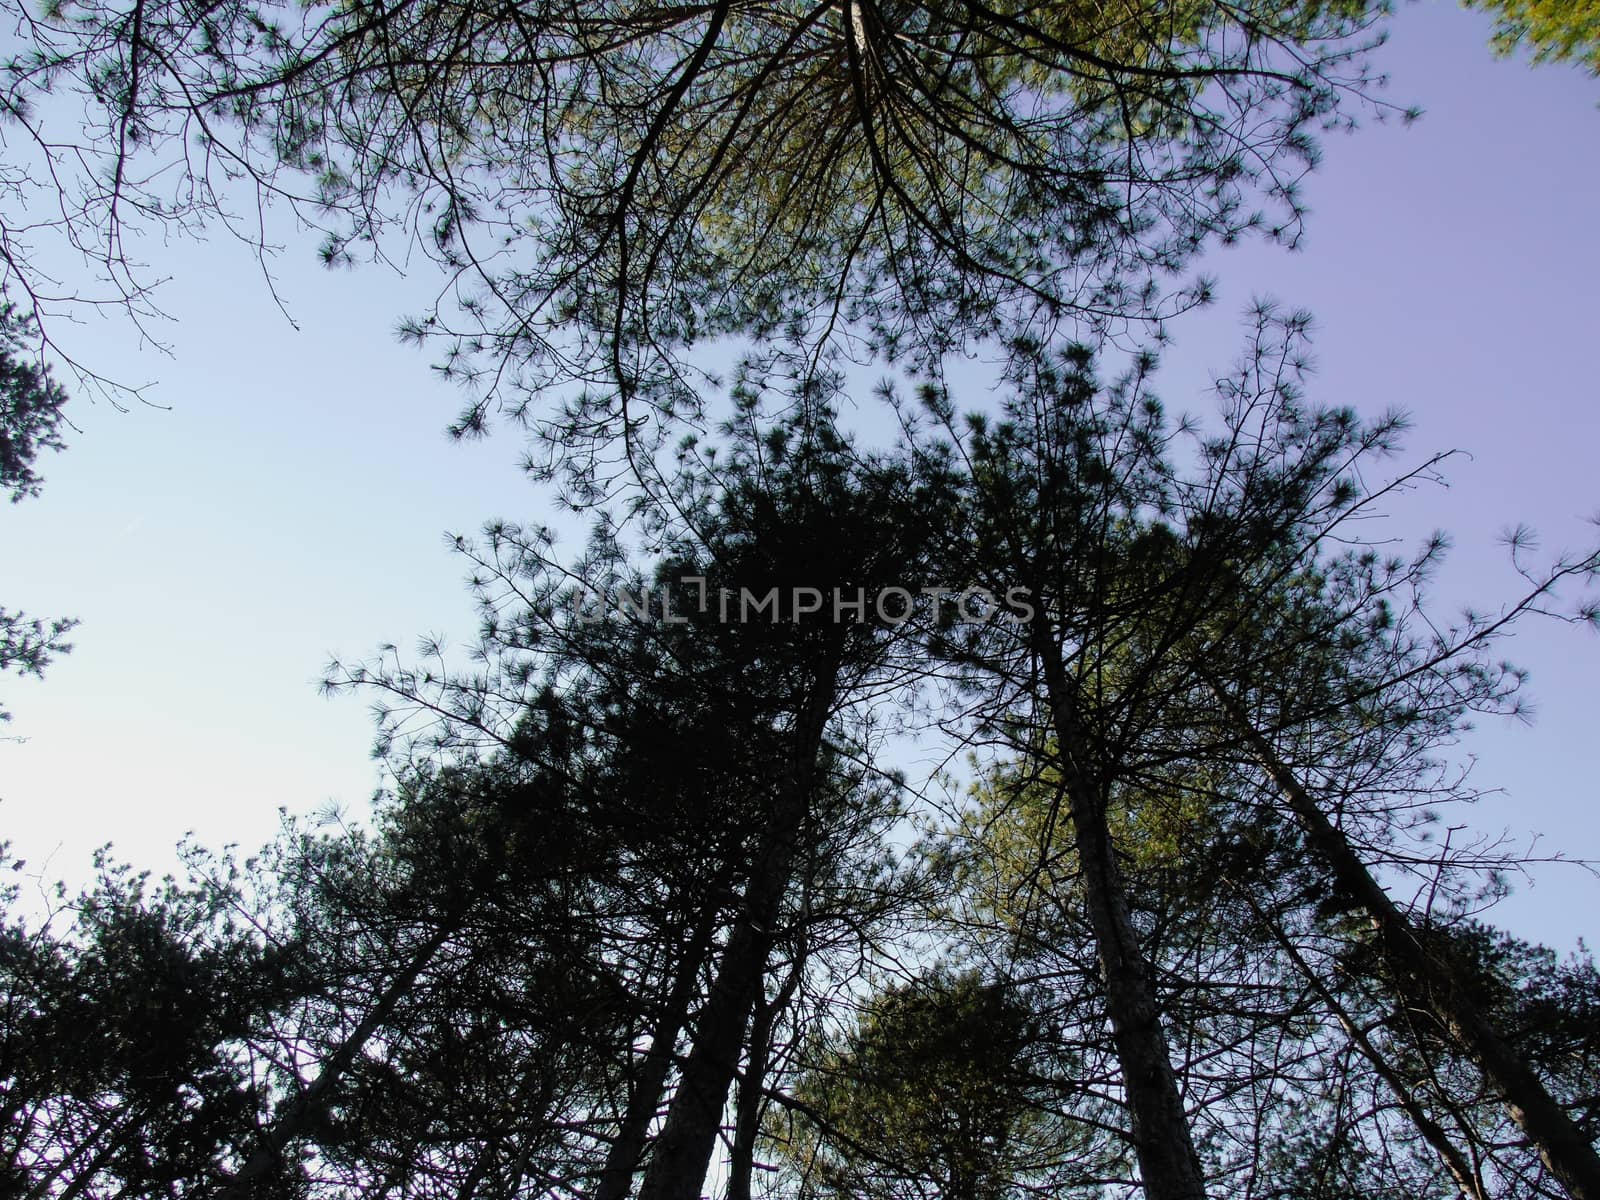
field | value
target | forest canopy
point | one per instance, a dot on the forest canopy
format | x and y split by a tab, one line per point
651	905
647	883
606	186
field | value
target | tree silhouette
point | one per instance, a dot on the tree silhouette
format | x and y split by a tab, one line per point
945	1087
606	187
30	421
1147	584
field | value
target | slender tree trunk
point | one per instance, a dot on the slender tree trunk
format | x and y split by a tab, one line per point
1168	1165
10	1111
479	1169
83	1178
752	1086
1432	1132
645	1097
395	1176
1434	979
682	1153
309	1104
541	1095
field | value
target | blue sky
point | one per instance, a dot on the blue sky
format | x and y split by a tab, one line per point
291	499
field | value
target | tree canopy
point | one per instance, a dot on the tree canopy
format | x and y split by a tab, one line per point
607	186
646	880
31	420
1555	30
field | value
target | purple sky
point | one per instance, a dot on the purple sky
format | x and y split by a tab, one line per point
1452	267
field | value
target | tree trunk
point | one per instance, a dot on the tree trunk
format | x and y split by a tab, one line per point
309	1104
1434	979
82	1179
1168	1165
645	1098
682	1153
1432	1132
752	1086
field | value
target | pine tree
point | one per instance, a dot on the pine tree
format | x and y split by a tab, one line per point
610	186
31	418
1140	585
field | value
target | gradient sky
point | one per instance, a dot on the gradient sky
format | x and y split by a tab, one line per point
291	500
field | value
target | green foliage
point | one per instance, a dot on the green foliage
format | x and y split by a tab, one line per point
30	421
31	404
1547	1006
620	849
28	643
120	1024
611	185
1555	30
1140	840
642	761
944	1088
